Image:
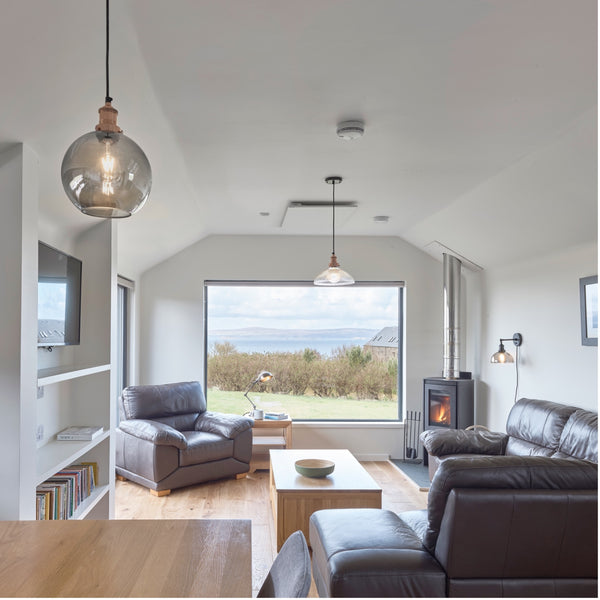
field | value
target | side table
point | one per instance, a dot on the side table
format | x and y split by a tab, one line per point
269	434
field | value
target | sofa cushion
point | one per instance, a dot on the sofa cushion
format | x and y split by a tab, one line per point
371	552
204	447
535	427
579	438
503	472
167	400
417	521
441	442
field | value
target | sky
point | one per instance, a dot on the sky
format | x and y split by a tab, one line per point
52	300
302	307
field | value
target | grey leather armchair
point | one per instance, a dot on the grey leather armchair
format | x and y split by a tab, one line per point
167	439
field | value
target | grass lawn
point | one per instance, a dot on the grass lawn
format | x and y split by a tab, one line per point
304	407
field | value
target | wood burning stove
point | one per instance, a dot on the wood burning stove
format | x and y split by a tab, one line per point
448	403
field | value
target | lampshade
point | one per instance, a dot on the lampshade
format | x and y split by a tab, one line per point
502	356
104	173
263	377
333	275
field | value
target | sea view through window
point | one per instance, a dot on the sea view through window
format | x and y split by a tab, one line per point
334	353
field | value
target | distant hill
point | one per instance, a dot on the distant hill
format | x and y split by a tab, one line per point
274	333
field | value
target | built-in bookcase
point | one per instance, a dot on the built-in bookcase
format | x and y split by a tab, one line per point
43	392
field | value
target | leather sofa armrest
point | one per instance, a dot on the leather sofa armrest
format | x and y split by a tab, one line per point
155	432
229	426
441	442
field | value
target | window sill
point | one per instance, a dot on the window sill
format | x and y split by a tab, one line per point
348	424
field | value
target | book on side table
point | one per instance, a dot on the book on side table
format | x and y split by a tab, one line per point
82	434
273	416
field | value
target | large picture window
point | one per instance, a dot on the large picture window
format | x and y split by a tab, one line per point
334	353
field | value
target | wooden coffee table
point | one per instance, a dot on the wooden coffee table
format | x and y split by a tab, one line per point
294	497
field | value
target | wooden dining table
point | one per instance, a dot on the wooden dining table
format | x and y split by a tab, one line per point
206	558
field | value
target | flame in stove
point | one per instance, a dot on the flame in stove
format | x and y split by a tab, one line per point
443	416
440	412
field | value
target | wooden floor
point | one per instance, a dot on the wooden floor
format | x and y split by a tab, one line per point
249	499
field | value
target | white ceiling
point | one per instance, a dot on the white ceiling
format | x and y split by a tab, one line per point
481	115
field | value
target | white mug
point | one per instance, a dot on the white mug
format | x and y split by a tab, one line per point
257	413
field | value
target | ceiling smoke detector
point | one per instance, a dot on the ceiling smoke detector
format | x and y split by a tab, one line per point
350	130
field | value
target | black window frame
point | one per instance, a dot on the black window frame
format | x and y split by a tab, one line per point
400	285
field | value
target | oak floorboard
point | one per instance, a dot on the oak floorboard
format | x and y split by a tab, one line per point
249	499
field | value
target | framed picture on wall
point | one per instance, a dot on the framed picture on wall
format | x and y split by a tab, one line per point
588	302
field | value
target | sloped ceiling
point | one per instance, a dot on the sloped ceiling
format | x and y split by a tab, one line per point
480	115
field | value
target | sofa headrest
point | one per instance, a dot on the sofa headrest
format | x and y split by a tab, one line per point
538	422
579	438
159	401
503	472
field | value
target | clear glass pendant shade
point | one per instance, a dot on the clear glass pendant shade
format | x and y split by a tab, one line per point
334	275
106	174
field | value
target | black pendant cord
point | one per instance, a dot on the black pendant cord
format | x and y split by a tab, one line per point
333	220
107	98
517	373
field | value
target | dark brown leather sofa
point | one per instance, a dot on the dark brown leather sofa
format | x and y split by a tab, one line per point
167	439
496	525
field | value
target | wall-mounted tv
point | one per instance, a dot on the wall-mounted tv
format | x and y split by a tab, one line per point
59	297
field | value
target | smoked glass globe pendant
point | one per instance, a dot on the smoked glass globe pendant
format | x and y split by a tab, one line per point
104	173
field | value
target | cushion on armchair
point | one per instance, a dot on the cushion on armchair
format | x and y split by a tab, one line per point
159	401
155	432
229	426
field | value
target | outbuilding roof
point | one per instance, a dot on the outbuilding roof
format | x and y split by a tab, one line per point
387	338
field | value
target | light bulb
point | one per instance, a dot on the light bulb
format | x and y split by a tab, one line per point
333	275
106	174
108	167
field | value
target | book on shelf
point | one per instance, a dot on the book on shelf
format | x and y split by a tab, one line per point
81	434
60	495
273	416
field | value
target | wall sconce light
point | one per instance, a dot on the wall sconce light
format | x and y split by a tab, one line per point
502	356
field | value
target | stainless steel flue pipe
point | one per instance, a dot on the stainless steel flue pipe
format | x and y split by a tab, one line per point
452	272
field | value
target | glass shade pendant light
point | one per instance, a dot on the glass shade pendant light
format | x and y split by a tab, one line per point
105	173
502	356
333	275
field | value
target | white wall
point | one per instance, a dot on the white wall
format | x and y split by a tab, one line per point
171	323
539	299
18	326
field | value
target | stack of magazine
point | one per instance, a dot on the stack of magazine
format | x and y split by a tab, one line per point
276	416
59	496
80	434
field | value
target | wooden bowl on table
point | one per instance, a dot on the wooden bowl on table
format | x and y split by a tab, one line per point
314	467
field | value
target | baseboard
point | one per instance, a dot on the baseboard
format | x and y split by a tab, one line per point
372	457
